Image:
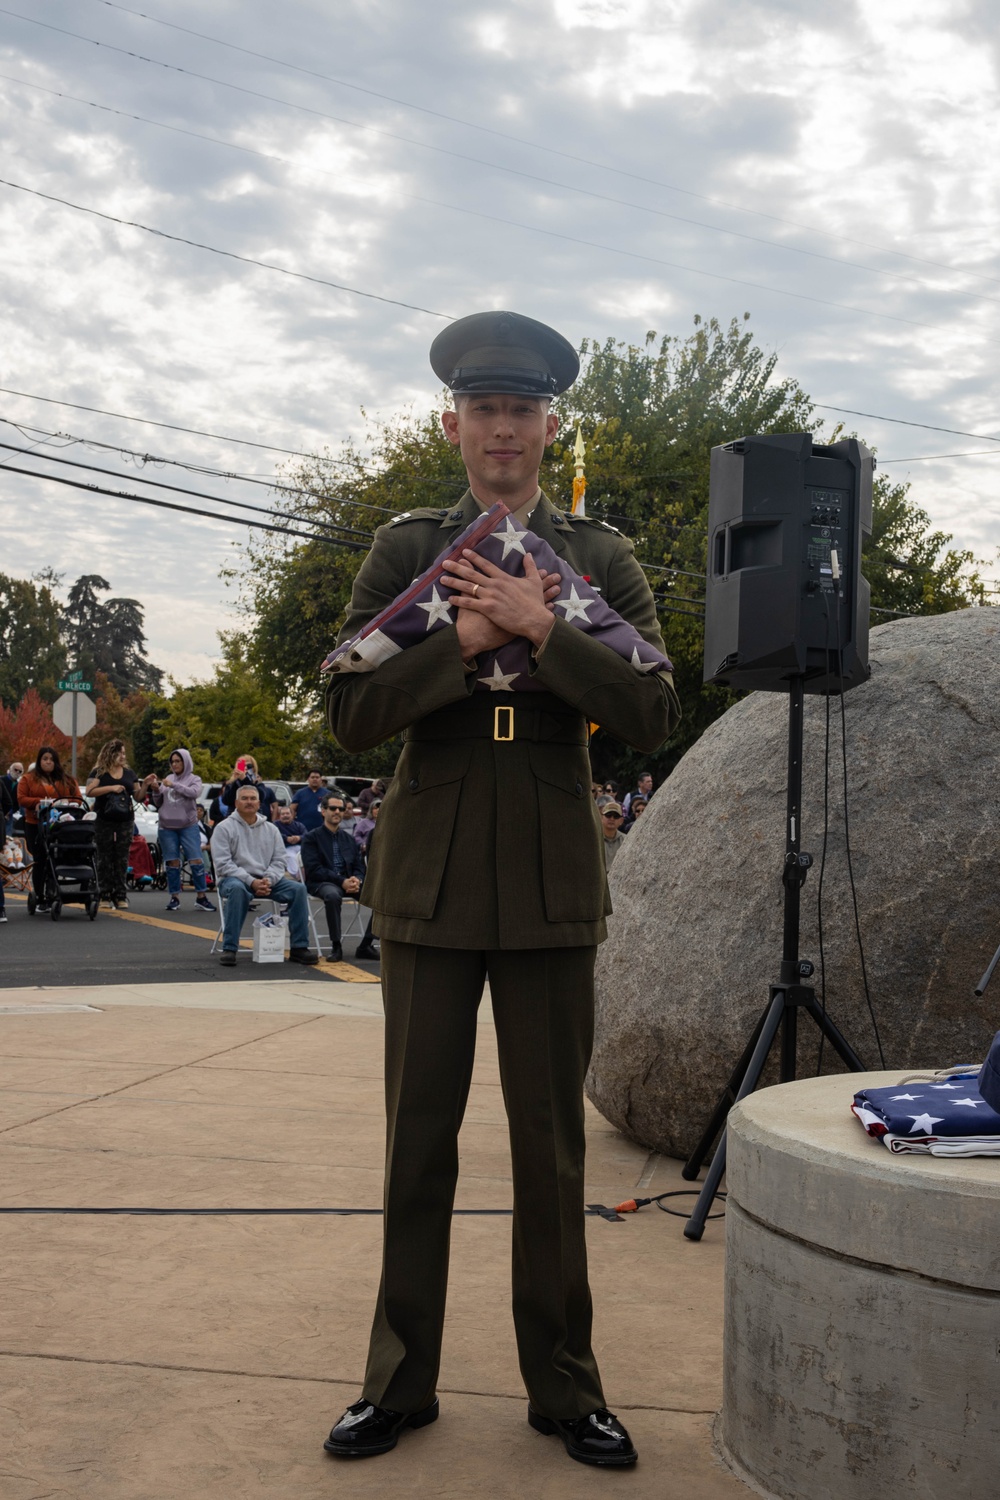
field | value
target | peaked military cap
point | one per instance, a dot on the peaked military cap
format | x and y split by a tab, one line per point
504	353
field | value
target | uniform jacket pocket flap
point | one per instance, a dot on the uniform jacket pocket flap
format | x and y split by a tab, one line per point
550	763
434	764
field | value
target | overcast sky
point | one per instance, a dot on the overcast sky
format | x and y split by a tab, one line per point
828	167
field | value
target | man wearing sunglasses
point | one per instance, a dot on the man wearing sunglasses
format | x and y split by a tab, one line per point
611	827
332	866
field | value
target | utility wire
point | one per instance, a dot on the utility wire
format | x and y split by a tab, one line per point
541	146
223	437
306	536
495	166
571	239
926	458
177	489
188	510
151	458
248	260
981	437
121	416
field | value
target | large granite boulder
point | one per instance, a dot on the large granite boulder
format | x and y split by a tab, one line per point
696	937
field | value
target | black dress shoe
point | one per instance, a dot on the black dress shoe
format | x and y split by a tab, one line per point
365	1430
227	957
303	956
366	952
597	1439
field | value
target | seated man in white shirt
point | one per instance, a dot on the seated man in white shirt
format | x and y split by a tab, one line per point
249	859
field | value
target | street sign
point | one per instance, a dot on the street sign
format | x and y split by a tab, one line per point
63	715
75	684
75	714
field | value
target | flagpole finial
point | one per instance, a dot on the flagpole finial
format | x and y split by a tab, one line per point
579	507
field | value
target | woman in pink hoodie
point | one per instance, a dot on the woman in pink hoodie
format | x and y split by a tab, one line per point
176	796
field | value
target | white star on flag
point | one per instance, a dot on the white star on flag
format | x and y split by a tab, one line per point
436	609
509	538
641	666
946	1085
973	1103
905	1096
575	607
924	1123
498	682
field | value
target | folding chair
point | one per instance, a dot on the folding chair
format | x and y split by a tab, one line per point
277	907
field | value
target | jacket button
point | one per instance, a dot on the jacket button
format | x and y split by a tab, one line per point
579	789
414	784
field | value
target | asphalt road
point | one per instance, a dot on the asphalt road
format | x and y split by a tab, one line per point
146	945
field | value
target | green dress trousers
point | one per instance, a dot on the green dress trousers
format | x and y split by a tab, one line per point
543	1007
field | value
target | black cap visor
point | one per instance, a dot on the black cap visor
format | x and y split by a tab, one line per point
497	380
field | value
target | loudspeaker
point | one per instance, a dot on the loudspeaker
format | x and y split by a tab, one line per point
785	596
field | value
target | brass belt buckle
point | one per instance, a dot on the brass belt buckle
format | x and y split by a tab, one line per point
503	732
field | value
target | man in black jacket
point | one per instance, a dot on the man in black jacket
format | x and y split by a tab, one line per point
332	866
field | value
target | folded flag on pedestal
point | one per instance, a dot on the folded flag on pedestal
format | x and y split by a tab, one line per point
424	607
944	1117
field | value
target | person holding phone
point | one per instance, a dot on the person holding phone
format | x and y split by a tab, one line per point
245	773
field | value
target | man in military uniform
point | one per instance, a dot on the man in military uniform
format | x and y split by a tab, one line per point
463	891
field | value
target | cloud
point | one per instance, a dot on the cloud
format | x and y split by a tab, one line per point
862	133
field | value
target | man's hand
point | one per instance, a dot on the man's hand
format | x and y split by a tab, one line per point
351	886
261	887
513	606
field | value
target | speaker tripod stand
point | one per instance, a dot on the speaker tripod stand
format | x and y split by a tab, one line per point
787	997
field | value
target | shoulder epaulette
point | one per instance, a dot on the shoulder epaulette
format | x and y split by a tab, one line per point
424	514
593	521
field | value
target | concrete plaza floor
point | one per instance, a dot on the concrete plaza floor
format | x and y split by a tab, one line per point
151	1357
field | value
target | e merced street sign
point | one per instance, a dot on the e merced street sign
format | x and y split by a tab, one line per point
74	683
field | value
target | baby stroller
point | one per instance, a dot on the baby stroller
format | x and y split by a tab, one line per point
67	847
141	874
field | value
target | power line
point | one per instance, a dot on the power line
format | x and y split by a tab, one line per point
490	218
981	437
495	166
177	489
121	416
188	510
541	146
926	458
248	260
152	458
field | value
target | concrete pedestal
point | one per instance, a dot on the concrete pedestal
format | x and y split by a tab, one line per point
862	1306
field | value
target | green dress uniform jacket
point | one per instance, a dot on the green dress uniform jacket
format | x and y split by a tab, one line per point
486	841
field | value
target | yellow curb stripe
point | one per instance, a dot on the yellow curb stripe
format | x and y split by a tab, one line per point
134	916
347	972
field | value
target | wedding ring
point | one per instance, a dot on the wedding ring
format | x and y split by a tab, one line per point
475	590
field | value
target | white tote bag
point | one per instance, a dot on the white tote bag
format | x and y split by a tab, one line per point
269	935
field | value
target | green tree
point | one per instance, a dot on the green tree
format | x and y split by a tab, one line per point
650	416
911	569
32	654
108	635
231	715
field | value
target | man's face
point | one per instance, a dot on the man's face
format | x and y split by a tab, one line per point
17	769
247	803
284	815
645	784
314	781
611	821
502	438
332	813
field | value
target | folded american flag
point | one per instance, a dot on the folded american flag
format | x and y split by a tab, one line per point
424	607
943	1117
